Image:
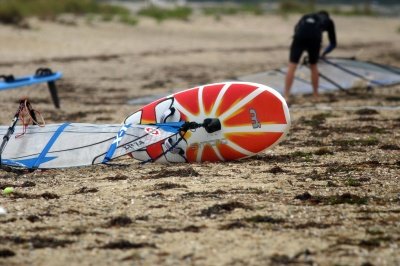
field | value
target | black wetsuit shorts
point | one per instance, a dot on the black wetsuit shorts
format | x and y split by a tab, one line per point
299	45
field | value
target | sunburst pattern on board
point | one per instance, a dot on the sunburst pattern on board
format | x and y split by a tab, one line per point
253	118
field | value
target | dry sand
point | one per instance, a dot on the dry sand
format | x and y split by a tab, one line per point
329	194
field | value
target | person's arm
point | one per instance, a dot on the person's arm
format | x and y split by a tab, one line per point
332	39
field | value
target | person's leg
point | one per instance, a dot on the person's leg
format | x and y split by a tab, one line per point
296	49
314	79
313	54
289	79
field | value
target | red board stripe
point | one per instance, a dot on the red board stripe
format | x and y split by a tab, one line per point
228	153
234	94
272	113
155	149
149	113
189	100
212	93
209	154
191	153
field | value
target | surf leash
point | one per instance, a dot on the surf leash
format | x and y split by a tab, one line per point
28	116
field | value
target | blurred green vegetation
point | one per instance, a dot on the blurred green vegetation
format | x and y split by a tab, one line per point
161	14
233	10
128	19
354	11
15	11
304	7
293	6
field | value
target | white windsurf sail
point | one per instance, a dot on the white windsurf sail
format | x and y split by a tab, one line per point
335	73
76	144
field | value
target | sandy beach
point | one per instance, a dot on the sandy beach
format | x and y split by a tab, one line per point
329	194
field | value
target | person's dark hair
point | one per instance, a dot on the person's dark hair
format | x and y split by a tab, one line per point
324	13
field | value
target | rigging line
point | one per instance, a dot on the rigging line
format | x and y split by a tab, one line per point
93	144
74	131
150	160
332	82
81	147
114	145
113	148
329	80
394	70
351	72
351	58
185	127
307	64
168	150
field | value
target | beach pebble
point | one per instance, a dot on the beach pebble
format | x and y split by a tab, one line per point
2	211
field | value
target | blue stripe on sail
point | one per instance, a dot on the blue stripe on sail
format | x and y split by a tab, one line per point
42	156
27	163
14	163
115	143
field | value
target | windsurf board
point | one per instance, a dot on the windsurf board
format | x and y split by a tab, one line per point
12	83
253	118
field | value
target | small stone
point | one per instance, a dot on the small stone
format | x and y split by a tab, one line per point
2	211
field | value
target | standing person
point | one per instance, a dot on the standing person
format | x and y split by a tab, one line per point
308	37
